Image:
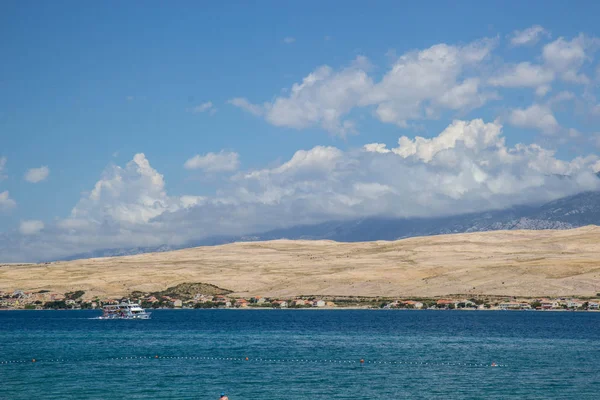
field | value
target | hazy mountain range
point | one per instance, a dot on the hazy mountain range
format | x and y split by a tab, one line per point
565	213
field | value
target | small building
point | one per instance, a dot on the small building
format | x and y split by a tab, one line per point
152	299
177	303
299	302
549	304
574	304
280	303
593	306
319	303
220	299
201	298
414	304
513	305
241	303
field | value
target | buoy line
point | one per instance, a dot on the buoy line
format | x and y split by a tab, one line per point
361	362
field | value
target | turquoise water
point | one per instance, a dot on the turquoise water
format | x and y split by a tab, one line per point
300	354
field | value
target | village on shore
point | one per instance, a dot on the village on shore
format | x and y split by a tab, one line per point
47	300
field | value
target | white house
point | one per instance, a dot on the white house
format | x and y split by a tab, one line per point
574	304
319	303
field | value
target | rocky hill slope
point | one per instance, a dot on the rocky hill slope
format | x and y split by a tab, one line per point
523	263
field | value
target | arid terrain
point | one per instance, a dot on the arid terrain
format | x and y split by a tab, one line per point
519	263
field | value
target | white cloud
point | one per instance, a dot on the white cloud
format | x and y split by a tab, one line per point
289	40
419	85
529	36
35	175
560	97
2	166
475	135
134	194
543	90
567	57
31	227
423	82
322	98
376	148
523	74
466	168
214	162
537	116
6	203
204	108
244	104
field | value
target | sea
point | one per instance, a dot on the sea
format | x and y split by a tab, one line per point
301	354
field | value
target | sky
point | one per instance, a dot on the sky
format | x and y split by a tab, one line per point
128	124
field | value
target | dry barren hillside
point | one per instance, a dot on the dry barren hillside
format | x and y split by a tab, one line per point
522	263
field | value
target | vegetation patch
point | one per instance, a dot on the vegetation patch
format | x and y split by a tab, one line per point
185	291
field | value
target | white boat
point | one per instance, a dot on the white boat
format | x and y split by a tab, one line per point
124	310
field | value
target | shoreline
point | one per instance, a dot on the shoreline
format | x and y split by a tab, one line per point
319	309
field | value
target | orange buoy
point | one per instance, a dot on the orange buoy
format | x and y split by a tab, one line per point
362	361
246	358
33	360
494	364
155	356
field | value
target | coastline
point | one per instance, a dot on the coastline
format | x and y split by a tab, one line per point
316	309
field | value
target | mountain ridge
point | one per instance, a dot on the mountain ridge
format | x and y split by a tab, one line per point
565	213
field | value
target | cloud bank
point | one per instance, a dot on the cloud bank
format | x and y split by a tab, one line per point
465	168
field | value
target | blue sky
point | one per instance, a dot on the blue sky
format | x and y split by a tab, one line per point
85	87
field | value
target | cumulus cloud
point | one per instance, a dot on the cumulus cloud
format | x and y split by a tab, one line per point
35	175
523	74
30	227
466	168
204	108
529	36
424	84
536	116
133	194
289	40
566	57
6	203
214	162
419	85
